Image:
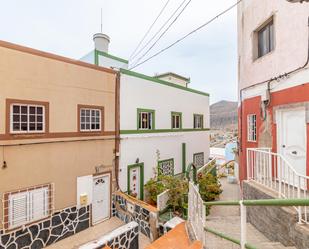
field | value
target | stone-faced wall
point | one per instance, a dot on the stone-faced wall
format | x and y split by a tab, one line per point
130	209
276	223
124	237
60	225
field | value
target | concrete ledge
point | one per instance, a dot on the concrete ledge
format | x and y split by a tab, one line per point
125	236
278	224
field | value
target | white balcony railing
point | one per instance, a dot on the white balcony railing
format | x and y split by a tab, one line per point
196	213
273	171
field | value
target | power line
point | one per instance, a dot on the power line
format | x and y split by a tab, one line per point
150	40
151	26
190	33
164	32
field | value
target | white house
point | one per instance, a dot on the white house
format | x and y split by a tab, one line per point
164	124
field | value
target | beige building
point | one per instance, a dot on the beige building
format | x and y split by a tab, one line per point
57	146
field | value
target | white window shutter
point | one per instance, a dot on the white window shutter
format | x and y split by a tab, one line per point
39	203
18	209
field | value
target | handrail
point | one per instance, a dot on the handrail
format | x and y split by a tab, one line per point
226	237
274	171
261	202
262	150
208	163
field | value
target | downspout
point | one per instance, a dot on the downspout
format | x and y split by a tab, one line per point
117	128
268	89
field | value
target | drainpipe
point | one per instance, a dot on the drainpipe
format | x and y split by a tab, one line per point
268	88
117	128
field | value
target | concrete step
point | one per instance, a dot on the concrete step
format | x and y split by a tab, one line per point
231	226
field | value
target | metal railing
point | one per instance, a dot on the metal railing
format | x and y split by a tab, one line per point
273	171
243	215
196	212
208	166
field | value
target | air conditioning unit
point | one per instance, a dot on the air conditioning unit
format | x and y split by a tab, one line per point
298	1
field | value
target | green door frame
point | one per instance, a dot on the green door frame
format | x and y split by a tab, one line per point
141	166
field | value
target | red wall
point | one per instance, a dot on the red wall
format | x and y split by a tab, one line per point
252	106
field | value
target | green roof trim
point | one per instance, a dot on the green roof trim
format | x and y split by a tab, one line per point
163	82
160	131
97	53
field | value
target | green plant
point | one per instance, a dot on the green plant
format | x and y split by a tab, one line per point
178	188
209	188
154	188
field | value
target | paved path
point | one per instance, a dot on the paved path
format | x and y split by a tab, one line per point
226	219
93	233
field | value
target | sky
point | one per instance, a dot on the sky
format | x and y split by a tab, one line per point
66	27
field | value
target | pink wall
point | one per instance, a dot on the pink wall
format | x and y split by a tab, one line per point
291	39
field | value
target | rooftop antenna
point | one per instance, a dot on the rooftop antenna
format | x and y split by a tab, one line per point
101	20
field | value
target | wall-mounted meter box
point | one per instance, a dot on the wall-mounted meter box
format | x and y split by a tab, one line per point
83	199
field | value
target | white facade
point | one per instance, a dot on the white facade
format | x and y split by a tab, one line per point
163	143
142	150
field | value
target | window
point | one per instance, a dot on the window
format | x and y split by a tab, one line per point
176	120
27	118
27	206
198	159
90	119
251	128
145	119
166	167
198	121
265	39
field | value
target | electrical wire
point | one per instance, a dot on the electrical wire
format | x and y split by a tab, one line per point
164	32
190	33
151	26
154	36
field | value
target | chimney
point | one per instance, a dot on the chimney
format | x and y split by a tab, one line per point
101	42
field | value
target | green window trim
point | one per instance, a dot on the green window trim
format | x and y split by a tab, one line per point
141	166
124	132
184	163
163	82
198	115
97	53
139	110
166	160
180	120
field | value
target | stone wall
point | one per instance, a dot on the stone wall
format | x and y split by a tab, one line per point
124	237
130	209
60	225
278	224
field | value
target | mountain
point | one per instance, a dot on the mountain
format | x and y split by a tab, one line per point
224	115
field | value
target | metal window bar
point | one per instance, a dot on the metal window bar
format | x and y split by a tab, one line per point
27	205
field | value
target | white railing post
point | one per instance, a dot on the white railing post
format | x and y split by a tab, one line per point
298	196
248	173
243	225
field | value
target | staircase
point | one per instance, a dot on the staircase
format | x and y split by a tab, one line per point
226	220
231	227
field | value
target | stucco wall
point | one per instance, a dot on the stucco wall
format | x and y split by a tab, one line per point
29	77
65	153
291	39
169	145
140	93
137	93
